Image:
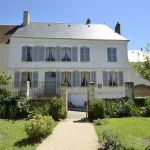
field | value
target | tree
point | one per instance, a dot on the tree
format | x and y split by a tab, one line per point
4	79
144	67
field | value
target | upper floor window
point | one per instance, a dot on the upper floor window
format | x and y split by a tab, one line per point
113	78
111	54
66	54
50	54
27	53
84	53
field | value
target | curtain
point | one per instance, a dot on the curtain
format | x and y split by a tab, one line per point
29	54
50	54
85	78
66	78
66	54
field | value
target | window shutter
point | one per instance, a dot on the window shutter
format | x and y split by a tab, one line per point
58	77
35	79
77	78
74	54
81	53
24	53
109	54
87	54
114	54
105	78
35	53
41	53
120	78
93	76
17	79
58	58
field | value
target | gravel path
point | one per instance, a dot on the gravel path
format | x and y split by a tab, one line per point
70	135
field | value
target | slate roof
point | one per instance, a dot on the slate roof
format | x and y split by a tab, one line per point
68	31
6	32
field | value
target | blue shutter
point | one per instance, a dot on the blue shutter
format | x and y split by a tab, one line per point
24	54
105	78
87	54
109	54
35	79
93	76
58	77
114	54
81	53
17	79
41	53
74	53
35	53
58	57
120	78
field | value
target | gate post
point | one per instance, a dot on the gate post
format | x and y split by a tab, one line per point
90	97
28	89
64	96
129	91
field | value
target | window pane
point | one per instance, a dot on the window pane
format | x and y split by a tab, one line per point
29	53
66	54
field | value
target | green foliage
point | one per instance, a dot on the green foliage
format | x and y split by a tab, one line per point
56	108
13	107
39	126
97	109
98	122
143	68
42	110
4	79
110	141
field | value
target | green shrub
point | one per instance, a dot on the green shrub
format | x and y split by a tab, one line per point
147	101
56	108
96	109
13	107
111	141
110	109
39	126
42	110
98	122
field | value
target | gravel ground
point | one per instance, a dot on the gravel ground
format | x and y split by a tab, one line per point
71	134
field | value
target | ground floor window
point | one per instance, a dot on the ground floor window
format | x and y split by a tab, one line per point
112	78
66	78
85	78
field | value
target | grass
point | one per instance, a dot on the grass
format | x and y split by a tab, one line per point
133	133
13	136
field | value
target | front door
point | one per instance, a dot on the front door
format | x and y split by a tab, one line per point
50	83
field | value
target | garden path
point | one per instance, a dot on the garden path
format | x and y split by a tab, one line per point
72	134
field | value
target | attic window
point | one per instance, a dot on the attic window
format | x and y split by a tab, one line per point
69	25
49	25
88	25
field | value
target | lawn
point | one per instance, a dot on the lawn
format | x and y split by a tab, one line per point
133	133
13	136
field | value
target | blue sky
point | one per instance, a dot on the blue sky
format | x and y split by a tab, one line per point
132	14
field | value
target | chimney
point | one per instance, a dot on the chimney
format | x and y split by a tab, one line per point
117	28
26	18
88	21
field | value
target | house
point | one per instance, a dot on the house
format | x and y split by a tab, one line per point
47	54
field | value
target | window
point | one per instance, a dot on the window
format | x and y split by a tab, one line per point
66	54
50	54
112	78
111	54
38	53
27	53
84	53
66	78
85	78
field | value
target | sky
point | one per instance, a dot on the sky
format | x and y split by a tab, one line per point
133	15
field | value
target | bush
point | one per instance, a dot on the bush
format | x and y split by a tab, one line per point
111	141
13	107
98	122
39	126
56	108
96	109
42	110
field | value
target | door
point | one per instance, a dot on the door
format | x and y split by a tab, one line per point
50	83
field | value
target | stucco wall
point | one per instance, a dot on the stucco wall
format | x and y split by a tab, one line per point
4	55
